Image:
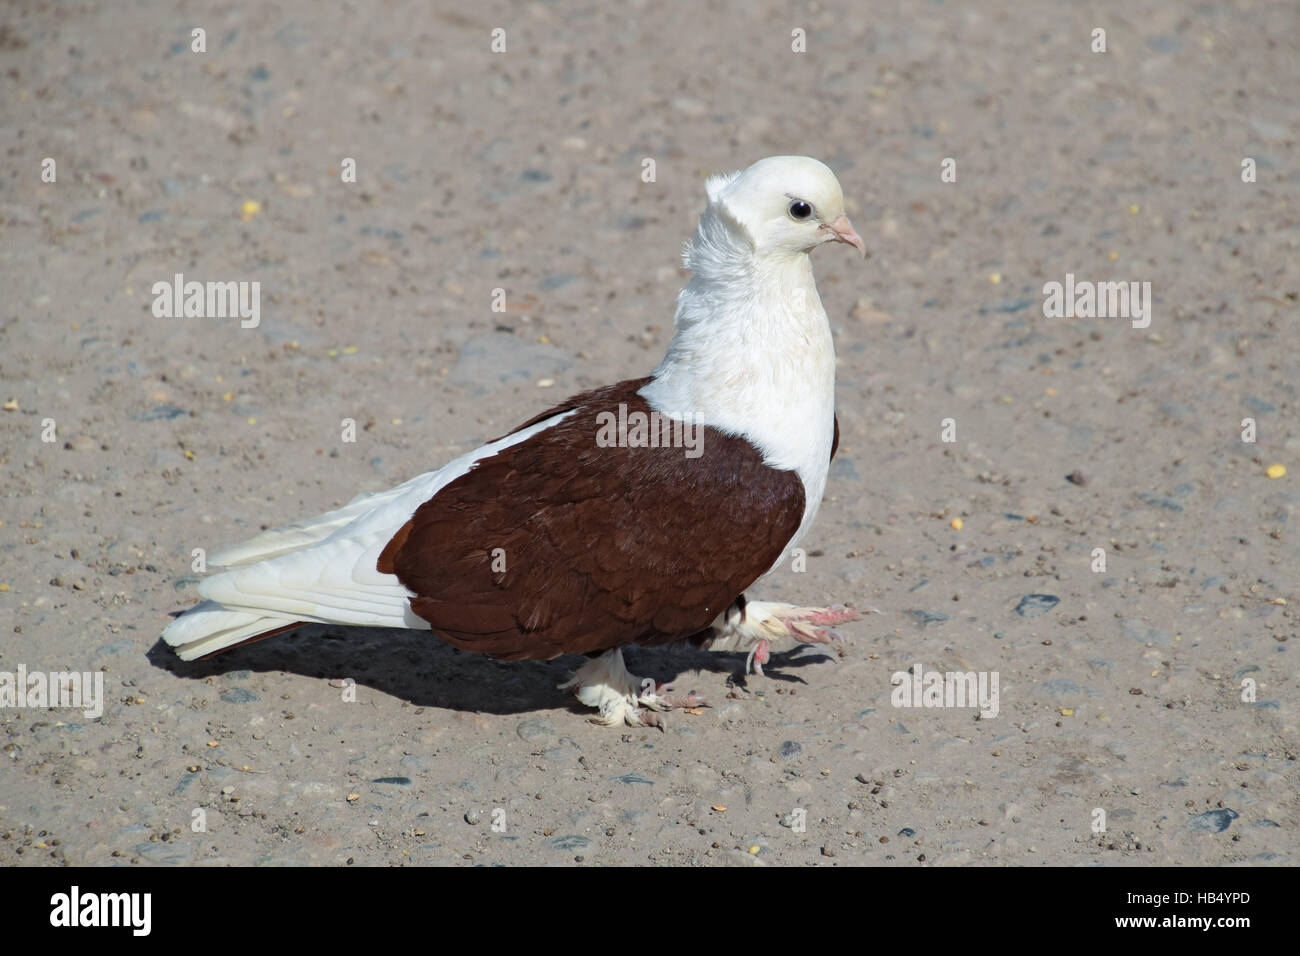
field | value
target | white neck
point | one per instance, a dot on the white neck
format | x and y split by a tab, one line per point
752	355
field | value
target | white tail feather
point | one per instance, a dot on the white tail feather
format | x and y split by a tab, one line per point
208	627
321	570
301	534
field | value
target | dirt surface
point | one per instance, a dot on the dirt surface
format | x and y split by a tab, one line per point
1121	690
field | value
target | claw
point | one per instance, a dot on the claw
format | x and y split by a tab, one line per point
651	718
663	699
812	625
621	698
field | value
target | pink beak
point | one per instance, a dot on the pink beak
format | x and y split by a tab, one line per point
844	232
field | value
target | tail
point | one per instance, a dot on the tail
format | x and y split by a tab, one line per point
335	580
305	533
322	570
209	627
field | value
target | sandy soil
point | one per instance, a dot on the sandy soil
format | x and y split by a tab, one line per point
1121	691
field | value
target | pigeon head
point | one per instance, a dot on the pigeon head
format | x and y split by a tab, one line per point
783	206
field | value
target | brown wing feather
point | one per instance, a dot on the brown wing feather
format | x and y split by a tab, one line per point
602	546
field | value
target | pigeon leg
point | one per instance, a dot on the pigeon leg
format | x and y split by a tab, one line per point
621	697
667	700
805	625
756	625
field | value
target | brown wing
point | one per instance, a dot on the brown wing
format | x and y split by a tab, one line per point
558	545
835	442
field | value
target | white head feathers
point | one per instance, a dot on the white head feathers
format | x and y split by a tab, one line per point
781	207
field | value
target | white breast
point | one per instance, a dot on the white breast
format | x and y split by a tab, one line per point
756	359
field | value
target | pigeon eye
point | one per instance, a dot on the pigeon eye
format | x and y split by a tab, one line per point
800	210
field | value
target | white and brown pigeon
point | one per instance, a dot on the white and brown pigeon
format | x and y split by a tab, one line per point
638	513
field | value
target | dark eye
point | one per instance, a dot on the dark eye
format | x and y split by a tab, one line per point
800	210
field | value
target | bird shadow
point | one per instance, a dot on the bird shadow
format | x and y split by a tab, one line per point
417	667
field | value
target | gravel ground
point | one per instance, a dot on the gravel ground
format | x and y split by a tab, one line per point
1157	696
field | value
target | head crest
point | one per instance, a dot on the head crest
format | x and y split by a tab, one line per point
714	185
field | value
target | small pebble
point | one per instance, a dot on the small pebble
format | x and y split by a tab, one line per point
1036	605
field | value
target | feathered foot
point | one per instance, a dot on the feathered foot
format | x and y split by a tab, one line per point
757	624
621	697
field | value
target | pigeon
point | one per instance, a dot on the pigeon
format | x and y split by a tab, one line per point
638	513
